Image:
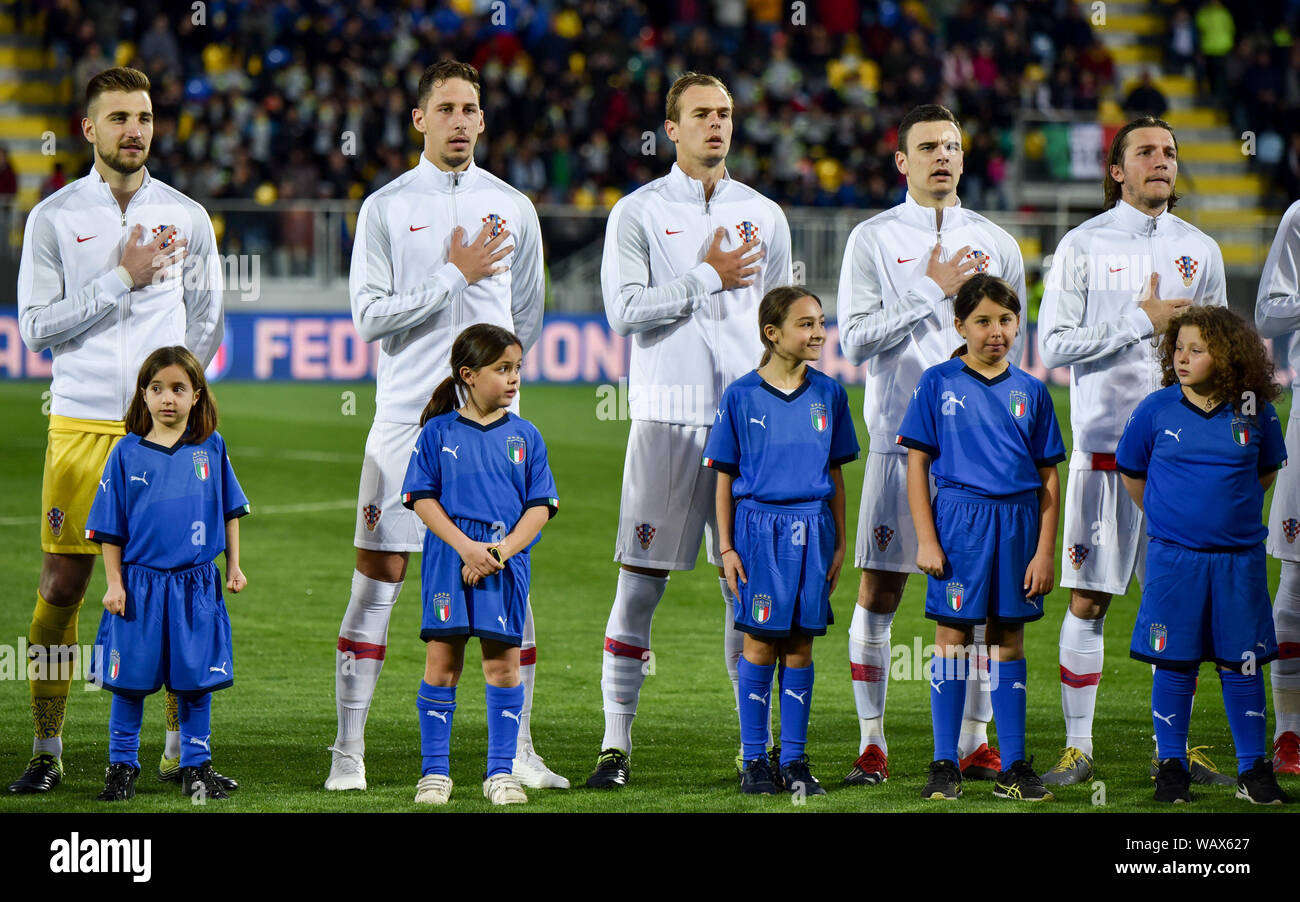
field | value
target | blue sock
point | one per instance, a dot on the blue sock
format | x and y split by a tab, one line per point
503	706
1010	698
436	704
755	697
796	703
947	701
124	719
1243	699
196	728
1172	692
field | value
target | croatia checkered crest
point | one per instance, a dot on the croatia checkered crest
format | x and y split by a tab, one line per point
980	259
747	230
645	534
883	536
1077	555
1291	528
370	513
54	517
494	223
1186	268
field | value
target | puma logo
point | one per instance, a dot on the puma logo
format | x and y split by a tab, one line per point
1019	685
760	422
513	715
937	687
1158	716
144	477
755	697
441	715
452	451
797	695
501	620
221	670
1259	714
103	484
201	743
1175	435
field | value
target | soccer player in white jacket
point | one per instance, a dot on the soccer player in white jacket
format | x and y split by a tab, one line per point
900	274
687	259
441	247
1103	315
104	280
1277	312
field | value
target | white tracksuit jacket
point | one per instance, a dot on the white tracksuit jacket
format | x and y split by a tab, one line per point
895	317
1277	306
71	299
405	293
1090	321
690	338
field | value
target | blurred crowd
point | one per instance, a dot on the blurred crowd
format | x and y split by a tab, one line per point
264	100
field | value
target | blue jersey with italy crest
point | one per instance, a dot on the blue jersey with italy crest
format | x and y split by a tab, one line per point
490	474
781	447
166	507
987	436
1202	469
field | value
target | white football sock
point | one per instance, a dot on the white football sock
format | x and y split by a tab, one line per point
1083	653
627	657
979	700
1284	673
363	642
527	673
869	663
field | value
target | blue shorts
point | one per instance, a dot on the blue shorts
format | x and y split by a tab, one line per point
786	550
1204	606
989	543
494	609
173	631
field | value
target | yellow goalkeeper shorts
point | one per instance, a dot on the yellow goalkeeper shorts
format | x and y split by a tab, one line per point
75	453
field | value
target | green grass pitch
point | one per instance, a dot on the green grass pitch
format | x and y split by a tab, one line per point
297	450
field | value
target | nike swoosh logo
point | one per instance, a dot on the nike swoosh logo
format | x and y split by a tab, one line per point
417	228
908	260
671	232
79	240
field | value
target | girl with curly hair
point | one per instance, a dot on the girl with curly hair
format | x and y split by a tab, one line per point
1197	457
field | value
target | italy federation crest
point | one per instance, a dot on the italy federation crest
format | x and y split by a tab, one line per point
819	419
494	223
371	514
516	449
54	517
1241	431
955	592
114	664
645	534
1019	404
442	606
1159	637
201	469
1186	267
762	608
980	259
747	230
883	536
1077	555
1291	528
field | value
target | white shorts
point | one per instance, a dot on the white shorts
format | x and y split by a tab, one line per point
886	535
1105	540
667	499
383	524
1284	515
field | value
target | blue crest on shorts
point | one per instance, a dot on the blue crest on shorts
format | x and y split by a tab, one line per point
1159	637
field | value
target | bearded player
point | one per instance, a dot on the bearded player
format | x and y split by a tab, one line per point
114	266
1103	315
439	248
901	272
687	259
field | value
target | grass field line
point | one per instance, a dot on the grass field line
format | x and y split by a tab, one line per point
304	508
